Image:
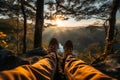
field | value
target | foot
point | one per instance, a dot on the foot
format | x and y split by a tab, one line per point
53	46
68	47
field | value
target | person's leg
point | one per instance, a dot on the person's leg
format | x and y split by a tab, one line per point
44	69
76	69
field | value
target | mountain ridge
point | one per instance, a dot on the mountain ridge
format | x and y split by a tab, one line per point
81	37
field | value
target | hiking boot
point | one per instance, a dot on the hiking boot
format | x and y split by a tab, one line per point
68	47
53	45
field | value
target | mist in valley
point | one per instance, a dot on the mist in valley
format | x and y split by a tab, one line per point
81	37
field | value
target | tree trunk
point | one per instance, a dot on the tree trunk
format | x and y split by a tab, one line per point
110	32
39	24
17	35
25	26
111	28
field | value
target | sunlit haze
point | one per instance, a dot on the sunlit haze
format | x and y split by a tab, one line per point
82	23
73	23
59	23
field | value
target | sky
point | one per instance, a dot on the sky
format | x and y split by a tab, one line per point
83	23
73	23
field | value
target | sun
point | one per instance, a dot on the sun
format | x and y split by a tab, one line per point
59	22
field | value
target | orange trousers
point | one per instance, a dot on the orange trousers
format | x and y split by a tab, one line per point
45	69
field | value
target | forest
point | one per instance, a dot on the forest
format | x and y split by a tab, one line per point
27	26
